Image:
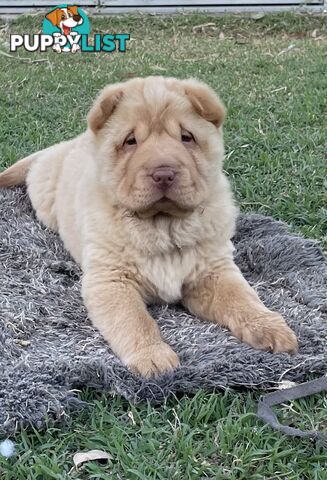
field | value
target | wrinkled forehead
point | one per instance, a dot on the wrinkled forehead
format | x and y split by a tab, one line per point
155	104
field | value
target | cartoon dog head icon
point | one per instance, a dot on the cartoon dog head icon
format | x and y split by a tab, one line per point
65	18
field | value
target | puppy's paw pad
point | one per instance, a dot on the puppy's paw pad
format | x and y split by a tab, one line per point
153	360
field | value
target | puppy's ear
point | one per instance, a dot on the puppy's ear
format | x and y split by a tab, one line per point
104	106
205	102
73	9
53	16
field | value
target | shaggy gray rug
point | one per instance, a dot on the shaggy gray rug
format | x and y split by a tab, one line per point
48	347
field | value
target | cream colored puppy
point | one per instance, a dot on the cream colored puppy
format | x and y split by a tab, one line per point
141	202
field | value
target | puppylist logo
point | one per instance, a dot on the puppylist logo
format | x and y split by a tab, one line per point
66	28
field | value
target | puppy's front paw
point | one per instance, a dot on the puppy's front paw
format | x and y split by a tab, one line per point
268	331
75	48
153	360
57	48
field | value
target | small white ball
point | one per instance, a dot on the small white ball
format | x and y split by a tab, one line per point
7	448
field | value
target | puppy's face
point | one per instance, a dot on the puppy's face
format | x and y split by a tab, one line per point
159	140
65	18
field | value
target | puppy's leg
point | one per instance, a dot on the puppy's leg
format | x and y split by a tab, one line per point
225	297
117	309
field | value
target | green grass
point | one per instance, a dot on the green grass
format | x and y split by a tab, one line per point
275	137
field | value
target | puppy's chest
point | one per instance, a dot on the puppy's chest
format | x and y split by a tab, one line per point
167	274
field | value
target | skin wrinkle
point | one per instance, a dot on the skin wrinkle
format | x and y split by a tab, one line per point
166	251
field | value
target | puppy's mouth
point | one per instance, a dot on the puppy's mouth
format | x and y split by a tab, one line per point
164	206
164	201
66	30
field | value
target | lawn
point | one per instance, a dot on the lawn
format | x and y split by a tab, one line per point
271	74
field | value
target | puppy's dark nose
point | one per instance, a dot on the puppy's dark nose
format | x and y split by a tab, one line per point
163	176
77	18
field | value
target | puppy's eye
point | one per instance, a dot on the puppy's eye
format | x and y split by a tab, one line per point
130	140
187	137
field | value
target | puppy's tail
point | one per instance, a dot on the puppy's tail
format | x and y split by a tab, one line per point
16	174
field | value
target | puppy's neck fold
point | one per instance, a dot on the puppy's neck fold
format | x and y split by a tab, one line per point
162	233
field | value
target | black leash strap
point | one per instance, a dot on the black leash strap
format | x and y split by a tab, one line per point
266	414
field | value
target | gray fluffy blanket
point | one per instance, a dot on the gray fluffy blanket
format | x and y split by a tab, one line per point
48	347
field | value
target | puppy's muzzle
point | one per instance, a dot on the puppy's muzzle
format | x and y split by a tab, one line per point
163	177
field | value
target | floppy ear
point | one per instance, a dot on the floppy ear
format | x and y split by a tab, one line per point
205	102
53	16
73	9
104	106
